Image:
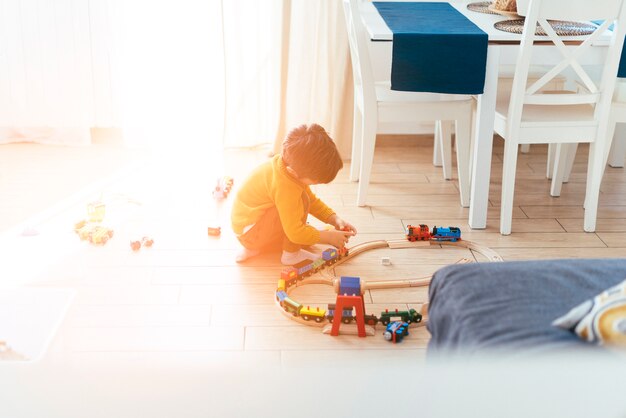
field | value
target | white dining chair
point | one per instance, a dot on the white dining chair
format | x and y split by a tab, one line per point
617	153
561	159
532	116
375	102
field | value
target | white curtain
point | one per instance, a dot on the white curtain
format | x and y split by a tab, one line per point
171	72
56	74
229	73
287	63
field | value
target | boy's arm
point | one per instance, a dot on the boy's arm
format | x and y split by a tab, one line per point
291	212
318	208
325	214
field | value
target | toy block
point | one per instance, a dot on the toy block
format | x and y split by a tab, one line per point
214	231
349	285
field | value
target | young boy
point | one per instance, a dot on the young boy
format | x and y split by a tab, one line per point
271	207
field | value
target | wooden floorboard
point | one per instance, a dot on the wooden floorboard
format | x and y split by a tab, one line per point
186	300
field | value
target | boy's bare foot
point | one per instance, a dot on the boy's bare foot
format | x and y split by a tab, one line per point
289	259
245	254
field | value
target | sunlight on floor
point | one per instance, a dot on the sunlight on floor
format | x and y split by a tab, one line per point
154	196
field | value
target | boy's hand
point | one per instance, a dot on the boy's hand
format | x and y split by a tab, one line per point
335	238
341	225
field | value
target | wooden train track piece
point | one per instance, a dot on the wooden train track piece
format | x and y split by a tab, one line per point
326	277
350	329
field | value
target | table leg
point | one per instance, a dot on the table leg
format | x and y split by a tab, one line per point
483	144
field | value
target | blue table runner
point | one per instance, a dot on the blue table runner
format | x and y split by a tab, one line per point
435	48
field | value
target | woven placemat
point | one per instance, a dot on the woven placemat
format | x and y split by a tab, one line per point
481	7
562	28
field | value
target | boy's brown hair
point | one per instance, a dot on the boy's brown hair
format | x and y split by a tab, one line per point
311	152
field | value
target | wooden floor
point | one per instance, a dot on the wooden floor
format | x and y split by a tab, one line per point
186	302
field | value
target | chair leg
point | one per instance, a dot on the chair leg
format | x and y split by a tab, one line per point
618	148
472	136
595	171
563	162
608	149
569	161
357	141
508	185
463	135
437	145
550	162
367	158
446	148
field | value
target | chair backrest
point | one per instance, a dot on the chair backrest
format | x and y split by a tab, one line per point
596	93
359	52
575	9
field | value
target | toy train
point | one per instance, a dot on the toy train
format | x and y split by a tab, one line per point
308	267
347	316
439	233
396	331
289	276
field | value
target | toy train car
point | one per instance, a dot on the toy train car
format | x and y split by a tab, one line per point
451	233
297	309
417	233
396	331
329	256
371	320
281	295
317	265
346	315
405	316
316	314
289	275
308	267
291	306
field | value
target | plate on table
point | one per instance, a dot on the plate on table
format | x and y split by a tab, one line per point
482	7
561	27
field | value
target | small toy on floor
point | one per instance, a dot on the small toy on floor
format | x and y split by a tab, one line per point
385	261
214	231
145	241
96	211
223	187
396	331
438	233
93	232
29	231
8	354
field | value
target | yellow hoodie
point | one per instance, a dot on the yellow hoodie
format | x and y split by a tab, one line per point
270	185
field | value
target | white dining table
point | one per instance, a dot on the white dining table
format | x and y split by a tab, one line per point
500	44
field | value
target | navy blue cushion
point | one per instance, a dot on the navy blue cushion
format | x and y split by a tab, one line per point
511	305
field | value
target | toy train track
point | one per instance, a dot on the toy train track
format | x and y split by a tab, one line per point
315	272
